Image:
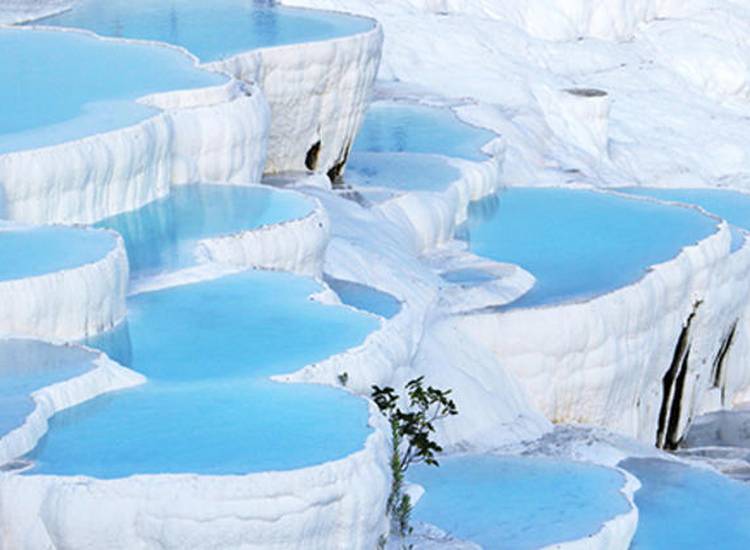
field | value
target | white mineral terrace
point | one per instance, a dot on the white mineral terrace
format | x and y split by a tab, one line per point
187	265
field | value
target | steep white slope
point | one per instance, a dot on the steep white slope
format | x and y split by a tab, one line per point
318	93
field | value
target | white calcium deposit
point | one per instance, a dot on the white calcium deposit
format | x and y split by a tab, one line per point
297	246
318	93
604	94
68	304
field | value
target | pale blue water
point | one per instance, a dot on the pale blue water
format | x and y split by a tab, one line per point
46	249
27	366
162	235
732	206
100	80
468	276
211	30
391	127
114	342
365	297
579	244
400	171
517	503
208	350
685	508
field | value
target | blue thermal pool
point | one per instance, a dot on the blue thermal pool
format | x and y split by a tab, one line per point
211	30
732	206
579	244
688	508
162	235
392	127
27	366
517	502
99	94
365	297
405	172
30	252
468	277
209	407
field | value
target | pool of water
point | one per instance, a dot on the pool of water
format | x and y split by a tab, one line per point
393	127
162	235
365	297
27	366
579	244
406	172
688	508
98	94
517	503
30	252
211	30
468	276
732	206
207	350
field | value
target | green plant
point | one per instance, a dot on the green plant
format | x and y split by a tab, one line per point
412	432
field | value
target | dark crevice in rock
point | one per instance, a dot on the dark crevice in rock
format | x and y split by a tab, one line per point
718	372
334	174
671	441
313	153
673	386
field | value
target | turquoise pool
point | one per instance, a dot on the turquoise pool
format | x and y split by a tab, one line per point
31	252
162	235
395	127
579	244
688	508
100	93
404	172
365	297
209	407
27	366
515	502
732	206
211	30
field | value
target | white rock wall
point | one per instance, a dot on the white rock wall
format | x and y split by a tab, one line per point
602	361
69	304
318	92
297	246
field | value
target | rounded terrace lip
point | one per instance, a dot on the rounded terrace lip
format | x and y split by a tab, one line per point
163	234
561	235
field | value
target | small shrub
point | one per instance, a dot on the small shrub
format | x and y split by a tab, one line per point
411	437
